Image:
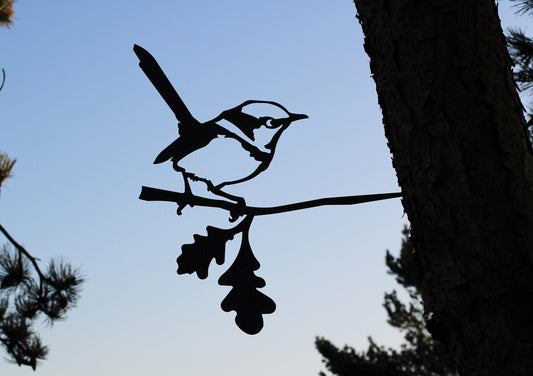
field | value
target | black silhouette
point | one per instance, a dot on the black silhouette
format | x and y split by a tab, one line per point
194	135
240	126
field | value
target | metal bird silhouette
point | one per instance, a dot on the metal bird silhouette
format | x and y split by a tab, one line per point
255	134
236	124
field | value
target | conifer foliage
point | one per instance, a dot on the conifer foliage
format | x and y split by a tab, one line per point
521	50
420	355
28	293
6	12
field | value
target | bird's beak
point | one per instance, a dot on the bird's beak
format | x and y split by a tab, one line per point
294	117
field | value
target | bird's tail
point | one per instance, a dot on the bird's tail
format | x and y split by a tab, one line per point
160	81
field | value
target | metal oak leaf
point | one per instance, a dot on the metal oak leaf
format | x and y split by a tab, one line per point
196	257
244	298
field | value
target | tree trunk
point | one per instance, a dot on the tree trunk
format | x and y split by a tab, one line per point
457	134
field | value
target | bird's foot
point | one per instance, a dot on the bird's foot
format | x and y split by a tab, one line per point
239	209
179	211
178	168
187	194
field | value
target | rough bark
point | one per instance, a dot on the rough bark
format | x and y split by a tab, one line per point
456	131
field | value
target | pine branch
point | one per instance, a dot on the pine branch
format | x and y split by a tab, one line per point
22	250
521	50
6	12
25	297
524	6
6	167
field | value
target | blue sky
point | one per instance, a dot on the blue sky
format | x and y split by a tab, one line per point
85	125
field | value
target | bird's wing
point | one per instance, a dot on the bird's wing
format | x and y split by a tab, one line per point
194	138
160	81
178	149
246	123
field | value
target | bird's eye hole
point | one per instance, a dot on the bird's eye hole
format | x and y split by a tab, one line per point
272	123
268	123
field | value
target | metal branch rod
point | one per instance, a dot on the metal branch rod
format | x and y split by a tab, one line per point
155	194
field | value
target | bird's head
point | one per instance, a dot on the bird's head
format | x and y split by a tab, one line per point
262	122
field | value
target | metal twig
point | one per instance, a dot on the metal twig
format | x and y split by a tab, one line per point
155	194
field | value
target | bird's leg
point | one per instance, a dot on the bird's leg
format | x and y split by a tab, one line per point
187	192
215	189
240	201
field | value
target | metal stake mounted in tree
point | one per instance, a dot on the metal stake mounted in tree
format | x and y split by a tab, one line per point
243	126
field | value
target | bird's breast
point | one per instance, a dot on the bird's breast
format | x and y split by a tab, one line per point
222	160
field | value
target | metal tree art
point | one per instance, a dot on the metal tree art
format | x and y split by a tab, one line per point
241	127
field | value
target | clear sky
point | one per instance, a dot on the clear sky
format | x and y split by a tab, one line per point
85	125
